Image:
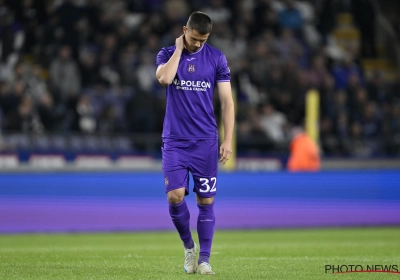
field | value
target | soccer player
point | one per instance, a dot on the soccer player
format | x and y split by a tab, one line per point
191	70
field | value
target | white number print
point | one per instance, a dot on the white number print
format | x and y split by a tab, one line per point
205	187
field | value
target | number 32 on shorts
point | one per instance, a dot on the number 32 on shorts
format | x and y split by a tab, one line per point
208	185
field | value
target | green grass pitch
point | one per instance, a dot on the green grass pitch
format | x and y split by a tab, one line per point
253	254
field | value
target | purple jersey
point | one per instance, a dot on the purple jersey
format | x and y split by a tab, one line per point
190	110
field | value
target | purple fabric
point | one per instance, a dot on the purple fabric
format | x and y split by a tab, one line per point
180	216
50	214
200	157
190	110
205	231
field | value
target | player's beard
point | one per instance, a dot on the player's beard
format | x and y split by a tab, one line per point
190	48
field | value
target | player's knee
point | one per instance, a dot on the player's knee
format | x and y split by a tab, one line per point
175	197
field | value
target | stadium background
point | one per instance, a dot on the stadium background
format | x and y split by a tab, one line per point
81	112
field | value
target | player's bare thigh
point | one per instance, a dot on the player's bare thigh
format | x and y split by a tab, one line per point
176	196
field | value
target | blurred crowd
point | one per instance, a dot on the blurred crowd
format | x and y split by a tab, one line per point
88	66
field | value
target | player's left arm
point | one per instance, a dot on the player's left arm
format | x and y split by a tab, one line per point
228	119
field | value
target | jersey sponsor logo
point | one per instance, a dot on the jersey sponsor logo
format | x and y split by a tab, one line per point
191	85
191	68
202	84
166	181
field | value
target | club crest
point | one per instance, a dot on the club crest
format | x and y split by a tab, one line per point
191	68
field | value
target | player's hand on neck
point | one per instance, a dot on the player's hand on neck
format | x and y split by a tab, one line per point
180	42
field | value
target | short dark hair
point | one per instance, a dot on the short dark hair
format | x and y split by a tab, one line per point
200	22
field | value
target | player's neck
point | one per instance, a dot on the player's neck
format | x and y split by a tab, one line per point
185	47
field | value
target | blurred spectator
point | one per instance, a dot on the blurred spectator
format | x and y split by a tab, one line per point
25	118
69	16
329	141
11	41
4	146
251	136
89	69
124	37
140	113
371	120
292	70
159	25
243	14
273	123
176	11
86	120
108	69
266	17
327	97
51	39
98	96
48	114
288	45
168	39
36	85
64	75
304	152
340	103
358	103
275	84
353	84
378	89
92	13
317	73
343	70
114	8
21	72
128	61
290	17
31	15
287	103
342	125
246	90
356	145
145	74
108	120
10	98
311	36
217	11
232	46
325	13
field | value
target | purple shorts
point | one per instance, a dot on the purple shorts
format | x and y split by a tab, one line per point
200	157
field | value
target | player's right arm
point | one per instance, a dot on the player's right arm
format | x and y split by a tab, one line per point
166	72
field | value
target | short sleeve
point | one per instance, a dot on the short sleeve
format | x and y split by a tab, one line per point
162	57
223	72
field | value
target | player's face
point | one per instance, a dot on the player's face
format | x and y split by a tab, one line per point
193	39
